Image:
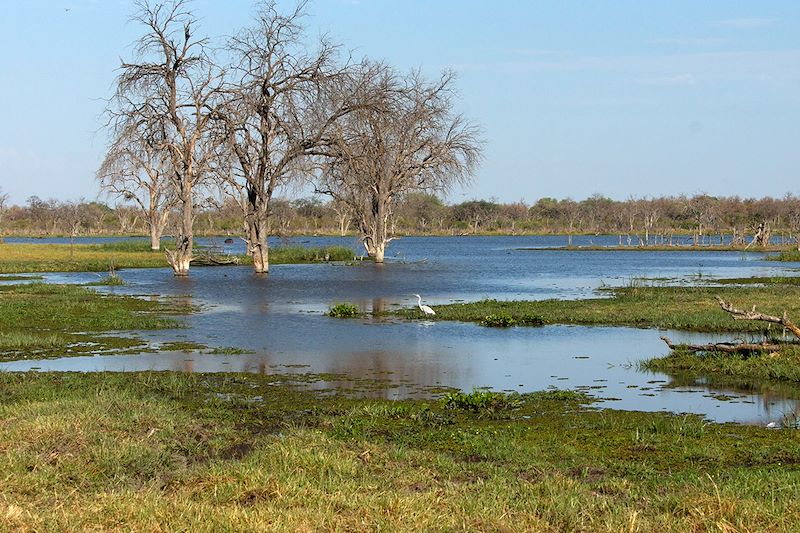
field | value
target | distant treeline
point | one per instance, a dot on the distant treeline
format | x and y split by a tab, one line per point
639	221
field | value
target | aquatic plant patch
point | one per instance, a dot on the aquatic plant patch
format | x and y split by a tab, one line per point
344	310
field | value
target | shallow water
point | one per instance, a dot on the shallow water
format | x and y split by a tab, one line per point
280	318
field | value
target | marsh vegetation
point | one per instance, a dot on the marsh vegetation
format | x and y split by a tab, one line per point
210	452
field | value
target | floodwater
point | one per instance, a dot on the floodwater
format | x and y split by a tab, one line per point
280	317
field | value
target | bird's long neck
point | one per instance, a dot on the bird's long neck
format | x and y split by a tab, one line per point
419	300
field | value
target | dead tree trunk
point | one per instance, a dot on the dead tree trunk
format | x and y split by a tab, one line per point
725	347
742	347
740	314
181	258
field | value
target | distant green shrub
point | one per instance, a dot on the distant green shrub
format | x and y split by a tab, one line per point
499	320
344	310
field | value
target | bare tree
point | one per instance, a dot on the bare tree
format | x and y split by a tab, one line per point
168	93
650	212
137	168
571	211
272	117
73	214
408	140
344	215
127	218
3	208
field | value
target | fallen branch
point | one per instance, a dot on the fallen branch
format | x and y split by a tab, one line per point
740	314
726	347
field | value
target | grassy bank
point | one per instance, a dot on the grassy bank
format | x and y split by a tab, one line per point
76	258
167	452
766	367
792	255
41	320
661	248
686	308
15	258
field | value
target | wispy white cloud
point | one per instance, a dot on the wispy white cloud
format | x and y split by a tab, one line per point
746	23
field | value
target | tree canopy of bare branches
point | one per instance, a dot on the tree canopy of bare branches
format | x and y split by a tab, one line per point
3	207
271	118
164	97
137	168
408	139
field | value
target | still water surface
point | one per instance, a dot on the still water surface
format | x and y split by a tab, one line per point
280	317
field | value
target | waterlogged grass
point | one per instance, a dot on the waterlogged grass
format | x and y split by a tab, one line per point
76	258
298	254
16	258
229	350
43	320
785	255
774	280
758	367
189	452
660	248
20	278
111	280
685	308
133	245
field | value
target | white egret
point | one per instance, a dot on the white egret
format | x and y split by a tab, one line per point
424	308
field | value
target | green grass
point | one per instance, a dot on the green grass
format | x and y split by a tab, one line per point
42	320
139	245
229	350
191	452
482	401
785	255
298	254
16	258
774	280
762	367
660	248
8	277
685	308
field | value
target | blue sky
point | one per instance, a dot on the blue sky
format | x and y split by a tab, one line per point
625	98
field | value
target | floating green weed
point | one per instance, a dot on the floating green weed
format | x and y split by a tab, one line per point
229	350
344	310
